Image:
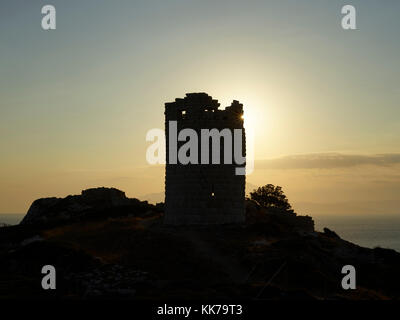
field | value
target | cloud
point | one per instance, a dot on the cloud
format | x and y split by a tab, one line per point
328	161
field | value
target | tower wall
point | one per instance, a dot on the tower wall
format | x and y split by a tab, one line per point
203	193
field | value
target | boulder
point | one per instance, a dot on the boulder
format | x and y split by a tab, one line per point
331	234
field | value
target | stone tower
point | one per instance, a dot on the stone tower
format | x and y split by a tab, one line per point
204	193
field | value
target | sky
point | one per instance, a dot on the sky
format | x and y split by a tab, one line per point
76	102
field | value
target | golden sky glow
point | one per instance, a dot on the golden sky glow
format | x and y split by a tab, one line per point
77	102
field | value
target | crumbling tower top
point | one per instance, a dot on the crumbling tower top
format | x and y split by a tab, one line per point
202	106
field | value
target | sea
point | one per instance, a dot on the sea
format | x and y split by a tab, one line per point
11	218
367	231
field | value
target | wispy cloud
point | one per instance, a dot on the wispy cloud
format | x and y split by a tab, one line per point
328	161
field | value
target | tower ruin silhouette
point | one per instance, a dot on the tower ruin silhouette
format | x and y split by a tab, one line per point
203	193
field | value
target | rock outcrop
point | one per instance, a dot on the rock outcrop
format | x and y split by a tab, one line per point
92	203
273	216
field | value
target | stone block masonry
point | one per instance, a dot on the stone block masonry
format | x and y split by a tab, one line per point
204	193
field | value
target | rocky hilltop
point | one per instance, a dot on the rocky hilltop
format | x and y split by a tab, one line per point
105	245
91	203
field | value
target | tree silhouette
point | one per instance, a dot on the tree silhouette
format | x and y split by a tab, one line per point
269	196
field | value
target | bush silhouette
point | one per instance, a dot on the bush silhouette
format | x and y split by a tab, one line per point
269	196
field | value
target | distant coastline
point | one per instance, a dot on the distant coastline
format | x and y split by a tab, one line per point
11	218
